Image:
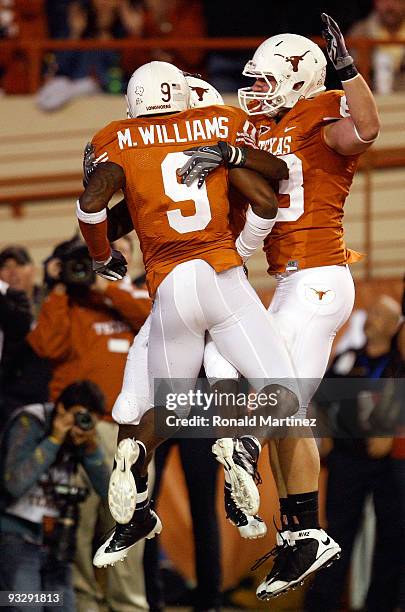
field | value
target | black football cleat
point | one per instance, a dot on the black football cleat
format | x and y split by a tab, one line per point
124	537
308	551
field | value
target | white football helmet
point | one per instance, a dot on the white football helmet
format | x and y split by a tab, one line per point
202	93
298	67
155	88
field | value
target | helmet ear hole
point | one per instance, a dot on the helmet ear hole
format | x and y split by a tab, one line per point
298	85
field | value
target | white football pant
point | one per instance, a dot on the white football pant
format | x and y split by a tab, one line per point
191	300
308	308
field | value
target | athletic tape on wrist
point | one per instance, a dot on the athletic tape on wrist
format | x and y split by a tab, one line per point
253	233
90	218
237	156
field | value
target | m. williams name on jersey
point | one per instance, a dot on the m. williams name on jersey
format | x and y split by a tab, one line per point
173	133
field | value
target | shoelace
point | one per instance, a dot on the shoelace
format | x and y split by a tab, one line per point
272	553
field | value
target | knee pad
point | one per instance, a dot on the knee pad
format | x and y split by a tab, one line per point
130	408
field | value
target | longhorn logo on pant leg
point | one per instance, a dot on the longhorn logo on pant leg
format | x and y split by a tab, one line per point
320	294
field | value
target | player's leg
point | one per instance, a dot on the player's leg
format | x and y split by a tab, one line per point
175	353
308	307
133	400
131	404
248	340
309	325
223	378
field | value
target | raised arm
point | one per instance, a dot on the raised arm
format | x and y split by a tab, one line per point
350	135
106	180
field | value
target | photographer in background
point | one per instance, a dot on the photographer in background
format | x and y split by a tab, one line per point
86	324
41	448
85	328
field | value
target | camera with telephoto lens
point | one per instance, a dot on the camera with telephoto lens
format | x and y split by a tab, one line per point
84	420
77	266
62	543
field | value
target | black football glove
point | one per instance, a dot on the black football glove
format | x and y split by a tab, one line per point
204	160
336	48
89	164
113	269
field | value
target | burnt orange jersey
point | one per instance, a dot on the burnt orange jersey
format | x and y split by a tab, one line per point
174	223
309	232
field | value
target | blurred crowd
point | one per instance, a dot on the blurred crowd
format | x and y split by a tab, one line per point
71	73
64	343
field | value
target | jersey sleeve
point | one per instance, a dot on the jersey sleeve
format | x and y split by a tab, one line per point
335	106
331	106
243	133
105	144
246	135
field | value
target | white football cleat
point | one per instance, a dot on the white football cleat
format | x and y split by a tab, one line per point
239	457
122	492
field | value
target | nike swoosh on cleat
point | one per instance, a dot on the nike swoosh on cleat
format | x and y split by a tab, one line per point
327	541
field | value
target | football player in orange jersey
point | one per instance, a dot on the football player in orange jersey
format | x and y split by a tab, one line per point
133	400
193	270
320	135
